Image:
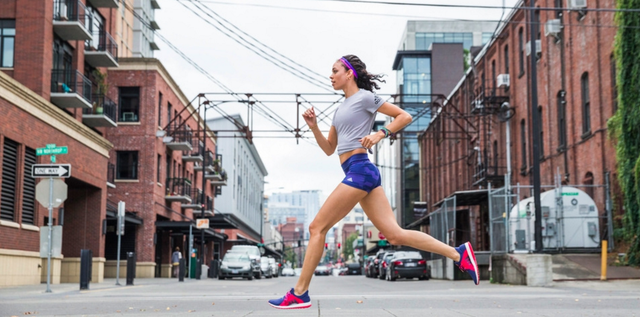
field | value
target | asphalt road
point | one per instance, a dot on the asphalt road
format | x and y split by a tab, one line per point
331	296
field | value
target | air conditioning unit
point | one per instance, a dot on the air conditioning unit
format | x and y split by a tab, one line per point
576	4
552	27
527	48
503	80
63	11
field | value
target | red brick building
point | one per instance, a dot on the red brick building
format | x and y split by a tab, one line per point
465	148
53	53
158	156
293	236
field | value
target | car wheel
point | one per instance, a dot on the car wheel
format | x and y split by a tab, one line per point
423	278
250	278
382	275
220	278
259	275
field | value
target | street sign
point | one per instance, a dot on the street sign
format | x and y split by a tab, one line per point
52	151
59	193
202	223
51	170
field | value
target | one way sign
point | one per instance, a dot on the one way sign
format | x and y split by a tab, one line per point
51	170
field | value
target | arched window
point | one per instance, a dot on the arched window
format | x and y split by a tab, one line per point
521	50
588	180
506	59
562	121
523	142
494	76
586	105
614	88
495	157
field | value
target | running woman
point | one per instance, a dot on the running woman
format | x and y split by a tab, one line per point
350	134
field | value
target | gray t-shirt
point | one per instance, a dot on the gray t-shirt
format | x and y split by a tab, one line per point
354	119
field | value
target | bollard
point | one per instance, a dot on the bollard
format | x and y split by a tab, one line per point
131	267
85	268
603	270
181	270
213	269
198	270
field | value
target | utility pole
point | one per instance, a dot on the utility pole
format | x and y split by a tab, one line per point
535	118
202	202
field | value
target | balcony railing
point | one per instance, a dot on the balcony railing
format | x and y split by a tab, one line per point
489	100
104	3
111	175
493	173
70	89
208	163
196	153
69	20
102	114
178	190
208	206
101	50
179	139
197	198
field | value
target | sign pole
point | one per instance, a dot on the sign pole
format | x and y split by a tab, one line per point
119	232
50	230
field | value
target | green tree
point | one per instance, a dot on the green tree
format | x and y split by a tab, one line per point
466	54
290	256
624	126
347	248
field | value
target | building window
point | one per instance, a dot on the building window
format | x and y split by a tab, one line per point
9	178
536	25
424	40
7	42
494	76
521	50
614	84
127	166
129	107
169	112
523	142
541	143
506	59
159	169
558	4
160	109
588	182
495	157
29	188
586	104
562	121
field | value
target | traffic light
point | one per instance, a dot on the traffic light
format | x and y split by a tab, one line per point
339	245
326	246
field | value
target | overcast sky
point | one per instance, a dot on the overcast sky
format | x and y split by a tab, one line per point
313	33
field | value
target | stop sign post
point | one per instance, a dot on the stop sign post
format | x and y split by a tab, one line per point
51	194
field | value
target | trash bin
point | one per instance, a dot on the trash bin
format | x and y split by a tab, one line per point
213	268
86	262
204	271
131	267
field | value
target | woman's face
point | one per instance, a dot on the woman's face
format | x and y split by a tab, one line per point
340	76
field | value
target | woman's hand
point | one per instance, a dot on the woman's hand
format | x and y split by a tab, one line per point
370	140
310	118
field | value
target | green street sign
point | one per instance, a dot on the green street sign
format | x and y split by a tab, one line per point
52	150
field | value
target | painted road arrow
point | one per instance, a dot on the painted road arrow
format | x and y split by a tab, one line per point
51	170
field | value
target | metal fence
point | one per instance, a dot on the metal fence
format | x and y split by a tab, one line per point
573	217
442	224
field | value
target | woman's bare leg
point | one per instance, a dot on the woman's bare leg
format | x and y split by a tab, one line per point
338	205
377	208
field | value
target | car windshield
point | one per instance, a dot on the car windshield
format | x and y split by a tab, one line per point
236	257
249	249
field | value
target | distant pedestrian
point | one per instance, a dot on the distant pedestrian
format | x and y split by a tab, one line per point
351	134
175	260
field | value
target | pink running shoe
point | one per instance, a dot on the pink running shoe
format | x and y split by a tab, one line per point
468	262
292	301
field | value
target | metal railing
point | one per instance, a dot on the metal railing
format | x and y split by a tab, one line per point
209	204
178	186
181	135
105	43
197	197
69	10
208	159
70	81
217	164
102	105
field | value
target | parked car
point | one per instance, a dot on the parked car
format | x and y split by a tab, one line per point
236	264
322	270
265	267
407	264
287	271
297	271
384	263
374	269
368	266
254	255
354	269
275	267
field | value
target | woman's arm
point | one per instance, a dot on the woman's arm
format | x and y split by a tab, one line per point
328	145
400	120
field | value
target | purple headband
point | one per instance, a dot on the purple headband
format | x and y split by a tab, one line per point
346	63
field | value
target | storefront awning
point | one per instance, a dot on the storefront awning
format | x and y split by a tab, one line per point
183	227
128	217
467	197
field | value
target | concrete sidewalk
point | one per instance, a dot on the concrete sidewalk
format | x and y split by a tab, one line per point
583	267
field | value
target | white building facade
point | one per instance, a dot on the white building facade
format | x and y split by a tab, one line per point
308	200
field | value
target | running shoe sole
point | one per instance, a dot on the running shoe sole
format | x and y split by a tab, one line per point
292	306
